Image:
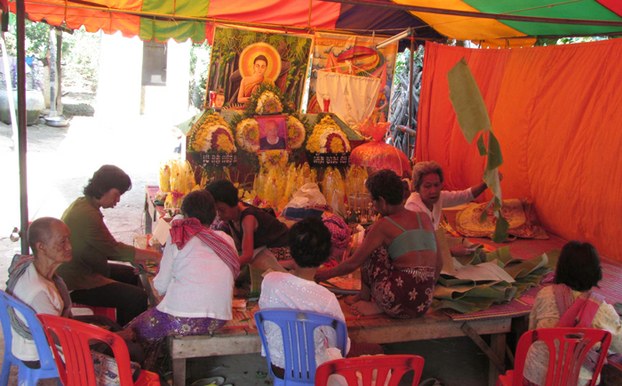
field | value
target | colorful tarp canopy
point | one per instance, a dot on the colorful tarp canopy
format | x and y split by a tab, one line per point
478	20
182	19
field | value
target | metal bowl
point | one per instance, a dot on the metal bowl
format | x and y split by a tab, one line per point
57	121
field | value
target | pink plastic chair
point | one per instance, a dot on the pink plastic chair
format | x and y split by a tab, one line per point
75	365
568	348
368	368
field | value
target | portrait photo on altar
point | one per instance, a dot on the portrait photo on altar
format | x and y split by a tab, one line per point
243	60
272	132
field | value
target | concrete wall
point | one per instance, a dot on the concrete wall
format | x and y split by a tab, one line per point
120	90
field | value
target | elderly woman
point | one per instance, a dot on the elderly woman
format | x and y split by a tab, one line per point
567	304
196	277
399	257
33	280
428	196
92	280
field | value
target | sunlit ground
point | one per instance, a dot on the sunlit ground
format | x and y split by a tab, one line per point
61	160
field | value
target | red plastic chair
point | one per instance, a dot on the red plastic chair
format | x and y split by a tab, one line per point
368	368
568	348
75	364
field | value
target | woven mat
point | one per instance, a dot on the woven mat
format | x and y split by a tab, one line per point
517	307
243	320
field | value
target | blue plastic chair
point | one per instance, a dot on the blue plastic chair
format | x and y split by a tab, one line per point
297	328
26	375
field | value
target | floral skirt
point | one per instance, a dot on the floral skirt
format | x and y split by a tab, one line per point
153	326
399	292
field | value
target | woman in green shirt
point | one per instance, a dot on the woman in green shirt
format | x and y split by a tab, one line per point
90	277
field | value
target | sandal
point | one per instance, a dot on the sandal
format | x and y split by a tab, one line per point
211	381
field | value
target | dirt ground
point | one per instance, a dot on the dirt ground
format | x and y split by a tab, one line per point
60	162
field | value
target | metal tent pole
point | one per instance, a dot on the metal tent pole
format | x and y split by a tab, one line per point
21	123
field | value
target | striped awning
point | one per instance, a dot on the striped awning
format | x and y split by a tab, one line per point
477	20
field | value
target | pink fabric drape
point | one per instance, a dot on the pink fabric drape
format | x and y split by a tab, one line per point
556	112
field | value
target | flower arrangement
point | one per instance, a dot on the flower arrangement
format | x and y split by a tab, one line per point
276	181
276	158
327	137
268	99
295	132
211	133
247	134
297	176
268	103
177	179
333	188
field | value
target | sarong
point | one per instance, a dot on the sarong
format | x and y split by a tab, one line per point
399	292
153	326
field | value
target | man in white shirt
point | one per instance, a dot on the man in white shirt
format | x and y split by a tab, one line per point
428	196
310	243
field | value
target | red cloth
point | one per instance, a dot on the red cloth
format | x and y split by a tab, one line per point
183	230
577	312
553	132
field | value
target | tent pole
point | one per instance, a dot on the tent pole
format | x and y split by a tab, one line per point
411	77
21	122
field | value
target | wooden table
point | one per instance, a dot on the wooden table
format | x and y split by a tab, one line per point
242	339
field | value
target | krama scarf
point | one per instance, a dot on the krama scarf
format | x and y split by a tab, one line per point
183	230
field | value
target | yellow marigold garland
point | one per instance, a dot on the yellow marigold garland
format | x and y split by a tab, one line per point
327	137
247	134
295	132
211	132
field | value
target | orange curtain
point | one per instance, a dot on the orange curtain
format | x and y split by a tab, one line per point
556	112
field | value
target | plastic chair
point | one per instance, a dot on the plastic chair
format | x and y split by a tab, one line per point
26	375
568	348
75	364
297	328
368	368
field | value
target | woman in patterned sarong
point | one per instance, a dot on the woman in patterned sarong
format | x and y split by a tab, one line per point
196	277
399	258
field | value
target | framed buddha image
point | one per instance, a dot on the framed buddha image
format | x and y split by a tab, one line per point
243	60
272	132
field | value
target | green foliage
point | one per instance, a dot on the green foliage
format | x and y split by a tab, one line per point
37	38
568	40
398	111
199	69
80	58
80	52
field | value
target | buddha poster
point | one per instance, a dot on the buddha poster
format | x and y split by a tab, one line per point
244	60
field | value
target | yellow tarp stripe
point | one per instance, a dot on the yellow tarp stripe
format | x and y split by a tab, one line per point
458	27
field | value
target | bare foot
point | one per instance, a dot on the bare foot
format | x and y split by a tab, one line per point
366	308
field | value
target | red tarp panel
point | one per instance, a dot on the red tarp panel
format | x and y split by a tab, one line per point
555	111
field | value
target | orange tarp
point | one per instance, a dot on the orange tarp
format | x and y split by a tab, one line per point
556	112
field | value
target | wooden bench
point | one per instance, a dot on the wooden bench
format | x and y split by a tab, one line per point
375	329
